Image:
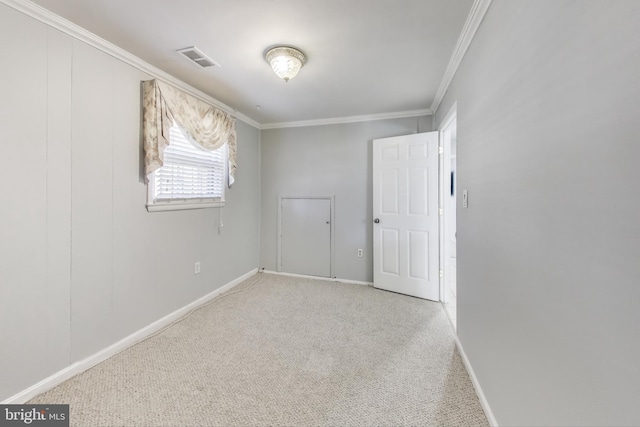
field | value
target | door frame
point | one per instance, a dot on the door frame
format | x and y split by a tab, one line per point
332	231
451	115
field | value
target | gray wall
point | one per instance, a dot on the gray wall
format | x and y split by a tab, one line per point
82	263
325	161
548	271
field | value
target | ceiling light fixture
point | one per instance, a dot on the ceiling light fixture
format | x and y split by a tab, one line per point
286	61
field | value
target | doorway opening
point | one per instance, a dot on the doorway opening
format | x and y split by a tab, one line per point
448	232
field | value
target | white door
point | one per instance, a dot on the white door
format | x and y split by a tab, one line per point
405	212
305	236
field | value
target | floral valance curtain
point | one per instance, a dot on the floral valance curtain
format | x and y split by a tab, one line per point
206	125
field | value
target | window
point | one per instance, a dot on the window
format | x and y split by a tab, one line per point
201	153
190	177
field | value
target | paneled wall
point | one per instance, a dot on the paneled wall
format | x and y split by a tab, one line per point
82	263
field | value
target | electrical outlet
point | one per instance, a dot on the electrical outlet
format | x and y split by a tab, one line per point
359	253
196	268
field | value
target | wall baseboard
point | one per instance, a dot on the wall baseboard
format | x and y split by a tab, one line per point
476	385
89	362
328	279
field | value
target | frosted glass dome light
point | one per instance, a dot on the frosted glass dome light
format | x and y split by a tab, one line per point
285	61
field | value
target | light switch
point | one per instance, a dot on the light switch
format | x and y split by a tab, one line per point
465	199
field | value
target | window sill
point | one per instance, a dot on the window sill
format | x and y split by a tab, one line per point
181	206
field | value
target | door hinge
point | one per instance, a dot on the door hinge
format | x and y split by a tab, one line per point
440	211
441	273
440	150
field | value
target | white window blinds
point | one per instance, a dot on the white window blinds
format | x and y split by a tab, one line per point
207	126
189	172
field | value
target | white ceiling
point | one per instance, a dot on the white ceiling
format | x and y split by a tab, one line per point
365	57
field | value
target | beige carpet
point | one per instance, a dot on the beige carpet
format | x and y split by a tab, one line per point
285	351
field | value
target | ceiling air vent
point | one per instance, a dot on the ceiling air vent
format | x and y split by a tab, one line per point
196	55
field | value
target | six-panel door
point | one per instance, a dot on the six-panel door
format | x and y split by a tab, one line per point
405	201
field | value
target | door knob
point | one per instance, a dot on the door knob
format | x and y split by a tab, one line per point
377	220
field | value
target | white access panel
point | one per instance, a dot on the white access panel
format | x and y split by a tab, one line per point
406	215
305	236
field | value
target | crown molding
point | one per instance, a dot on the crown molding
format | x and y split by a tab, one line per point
448	118
476	15
350	119
51	19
